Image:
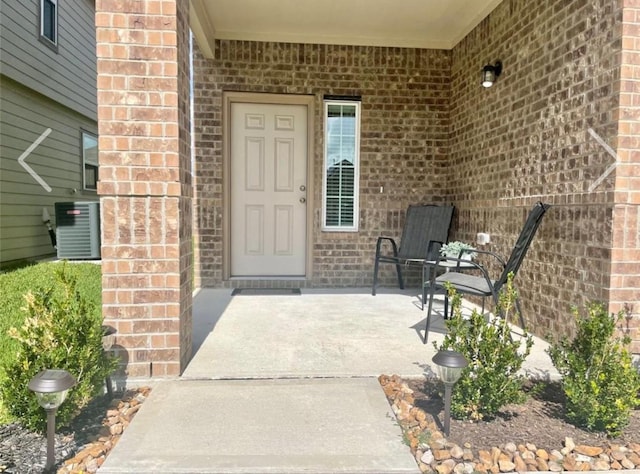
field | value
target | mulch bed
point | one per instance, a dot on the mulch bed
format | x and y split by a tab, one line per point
81	447
540	421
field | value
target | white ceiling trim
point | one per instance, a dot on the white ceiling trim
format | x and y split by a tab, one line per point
481	15
284	37
432	24
202	28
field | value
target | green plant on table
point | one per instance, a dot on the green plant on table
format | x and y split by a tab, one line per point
598	378
61	330
454	249
491	379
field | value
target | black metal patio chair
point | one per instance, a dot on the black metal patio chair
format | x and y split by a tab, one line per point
426	228
482	285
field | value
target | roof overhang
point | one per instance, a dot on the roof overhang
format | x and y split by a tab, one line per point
437	24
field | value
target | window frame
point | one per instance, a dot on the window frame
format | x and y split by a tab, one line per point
356	165
51	43
86	162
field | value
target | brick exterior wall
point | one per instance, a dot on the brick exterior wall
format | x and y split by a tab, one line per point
536	135
624	291
404	142
145	183
430	133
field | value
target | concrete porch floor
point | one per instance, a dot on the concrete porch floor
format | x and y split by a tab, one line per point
321	333
288	384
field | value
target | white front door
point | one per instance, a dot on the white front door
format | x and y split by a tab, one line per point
268	154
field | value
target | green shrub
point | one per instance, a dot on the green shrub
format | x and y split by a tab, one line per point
62	330
491	379
15	284
598	378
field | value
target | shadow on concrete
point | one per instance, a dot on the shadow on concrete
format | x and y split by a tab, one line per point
208	306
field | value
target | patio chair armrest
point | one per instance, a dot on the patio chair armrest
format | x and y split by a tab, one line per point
379	243
492	254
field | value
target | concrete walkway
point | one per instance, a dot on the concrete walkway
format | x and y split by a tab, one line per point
288	384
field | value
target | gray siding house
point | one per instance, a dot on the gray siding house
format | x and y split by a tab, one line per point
48	118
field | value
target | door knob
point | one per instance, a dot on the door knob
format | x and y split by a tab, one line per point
303	200
303	187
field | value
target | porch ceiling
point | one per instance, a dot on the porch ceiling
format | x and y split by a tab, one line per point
438	24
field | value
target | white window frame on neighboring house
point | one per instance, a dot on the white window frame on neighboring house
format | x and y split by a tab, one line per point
90	164
341	170
52	24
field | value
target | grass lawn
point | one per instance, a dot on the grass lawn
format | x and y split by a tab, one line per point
15	284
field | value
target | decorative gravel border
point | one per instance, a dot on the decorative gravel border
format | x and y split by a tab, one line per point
116	420
434	453
80	448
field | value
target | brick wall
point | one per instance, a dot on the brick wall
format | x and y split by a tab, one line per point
145	186
404	140
625	254
528	138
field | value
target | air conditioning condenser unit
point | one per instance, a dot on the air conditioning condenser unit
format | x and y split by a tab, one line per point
78	230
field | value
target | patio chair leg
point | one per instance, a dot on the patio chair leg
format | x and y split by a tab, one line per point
375	277
446	307
496	307
399	271
432	291
427	279
520	314
423	298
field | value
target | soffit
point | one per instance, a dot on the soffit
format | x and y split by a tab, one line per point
438	24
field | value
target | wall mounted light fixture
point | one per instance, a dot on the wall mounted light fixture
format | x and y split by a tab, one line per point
490	73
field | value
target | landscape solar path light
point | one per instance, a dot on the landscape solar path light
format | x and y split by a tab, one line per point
450	365
51	387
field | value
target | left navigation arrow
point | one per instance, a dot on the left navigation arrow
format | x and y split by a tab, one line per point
29	169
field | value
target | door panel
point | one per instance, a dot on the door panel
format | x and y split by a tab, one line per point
254	230
268	156
254	166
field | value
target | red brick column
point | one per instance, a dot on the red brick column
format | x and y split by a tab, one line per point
625	249
145	181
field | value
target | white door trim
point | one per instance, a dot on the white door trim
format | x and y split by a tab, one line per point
229	98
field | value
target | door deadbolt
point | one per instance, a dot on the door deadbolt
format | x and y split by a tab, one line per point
303	200
303	187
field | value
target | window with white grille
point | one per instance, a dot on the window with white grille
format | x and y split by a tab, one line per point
341	165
